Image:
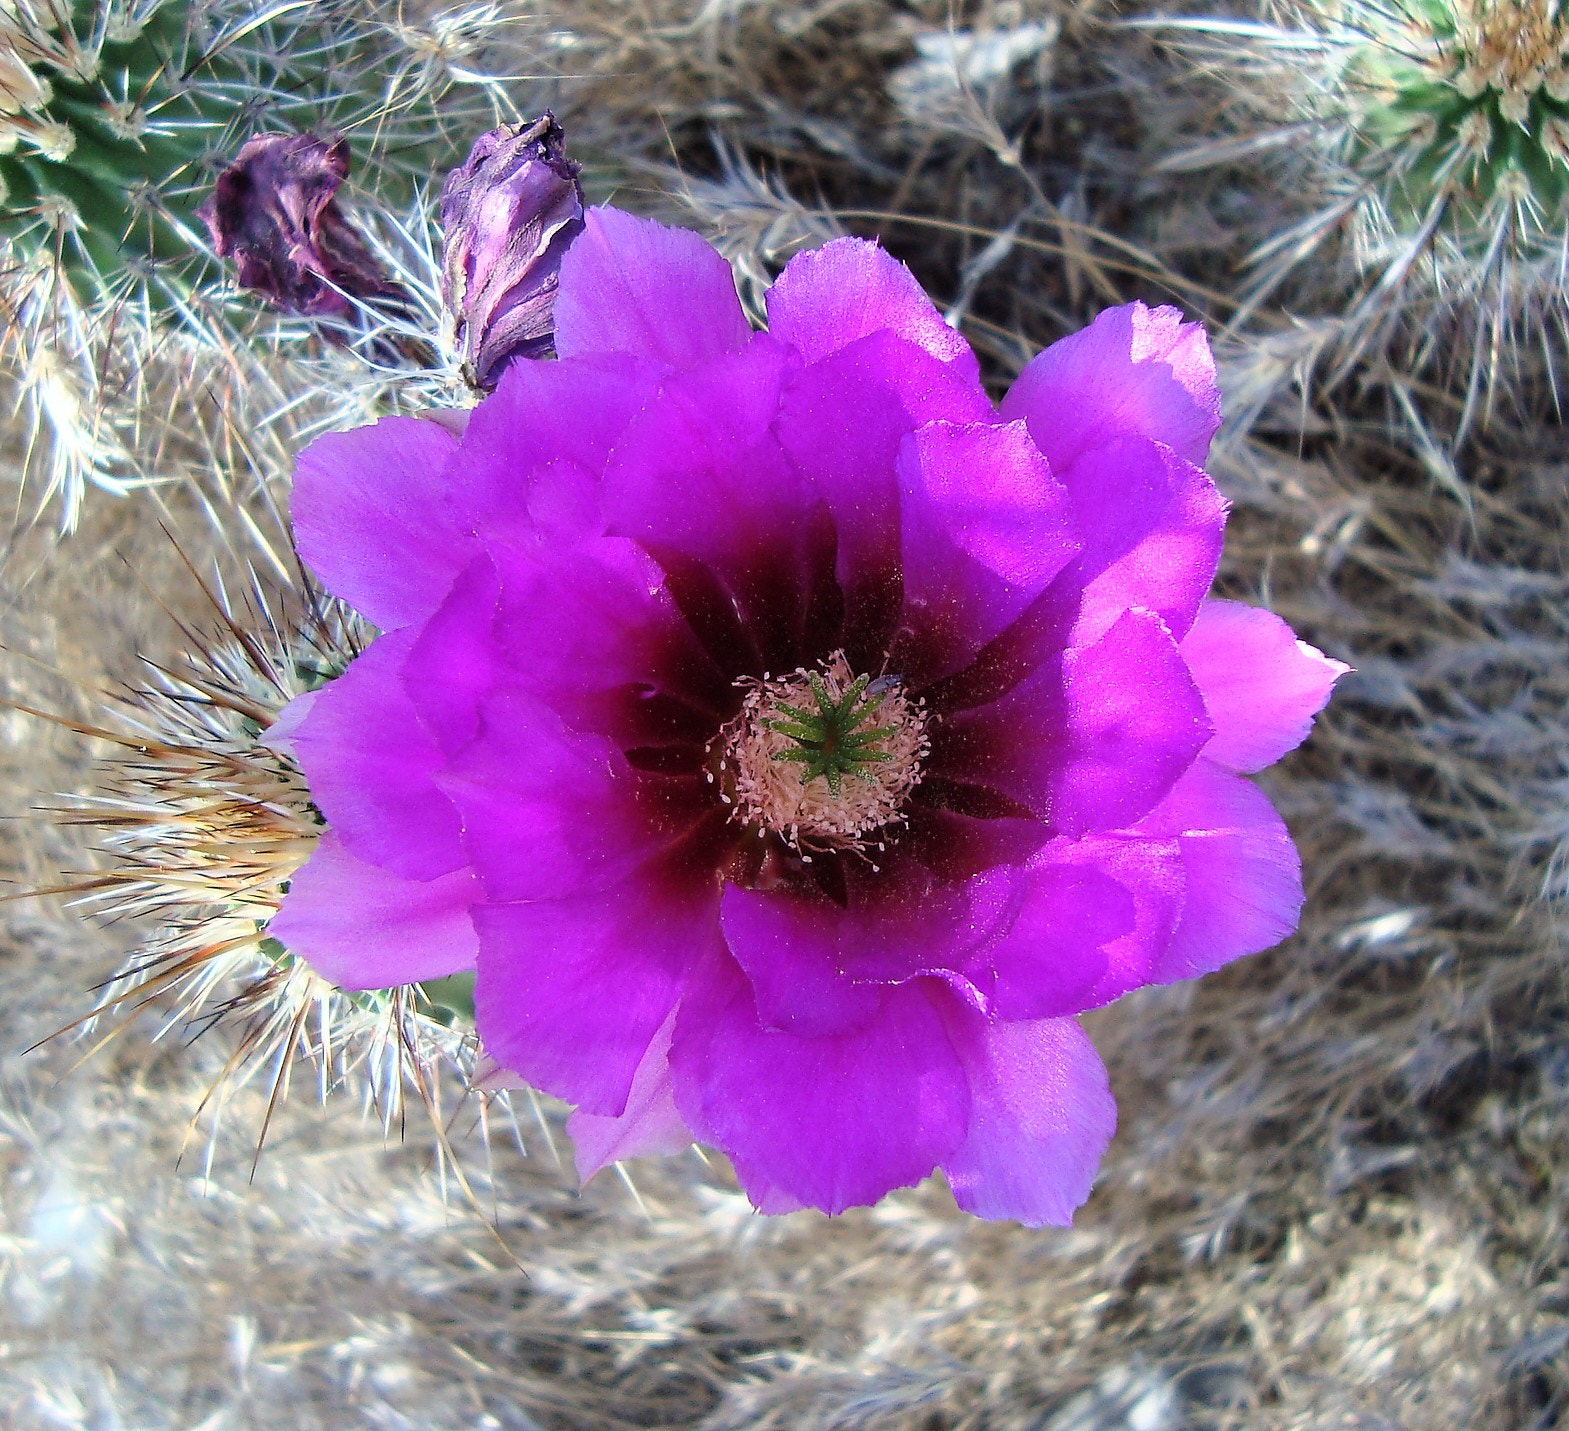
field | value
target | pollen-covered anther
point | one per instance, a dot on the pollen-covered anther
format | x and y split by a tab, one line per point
823	758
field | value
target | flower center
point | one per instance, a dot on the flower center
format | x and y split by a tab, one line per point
822	758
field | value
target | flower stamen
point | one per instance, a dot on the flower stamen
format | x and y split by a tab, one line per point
822	778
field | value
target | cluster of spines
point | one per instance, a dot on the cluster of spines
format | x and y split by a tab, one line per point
201	825
115	115
1417	152
1467	101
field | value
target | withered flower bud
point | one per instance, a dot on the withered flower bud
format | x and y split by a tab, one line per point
274	212
508	214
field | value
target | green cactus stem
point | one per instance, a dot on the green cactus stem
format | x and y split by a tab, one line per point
113	121
1467	101
115	118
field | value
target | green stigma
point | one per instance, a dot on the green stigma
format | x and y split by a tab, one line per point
830	743
781	765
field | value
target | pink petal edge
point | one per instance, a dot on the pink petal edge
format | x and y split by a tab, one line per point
1041	1118
1261	685
829	297
649	1124
630	285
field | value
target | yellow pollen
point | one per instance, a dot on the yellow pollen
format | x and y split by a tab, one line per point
760	774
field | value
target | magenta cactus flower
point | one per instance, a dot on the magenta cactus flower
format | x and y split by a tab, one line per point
508	213
793	741
274	211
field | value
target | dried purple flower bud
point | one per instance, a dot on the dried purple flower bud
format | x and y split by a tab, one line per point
274	212
508	214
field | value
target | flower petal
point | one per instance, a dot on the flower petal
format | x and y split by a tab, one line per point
280	734
928	389
1041	1118
1015	942
572	992
578	626
589	628
707	447
1132	722
648	1124
700	480
789	948
544	420
630	285
1052	954
369	764
831	1122
1243	874
818	967
826	298
452	662
548	812
955	842
984	530
372	517
1153	527
1261	685
840	428
840	423
1092	740
361	927
1134	372
1148	871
